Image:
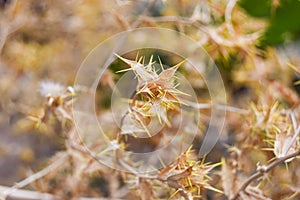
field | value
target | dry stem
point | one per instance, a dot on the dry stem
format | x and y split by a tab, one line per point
34	177
263	170
228	14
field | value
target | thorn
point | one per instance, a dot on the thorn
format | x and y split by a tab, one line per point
151	58
160	63
123	70
140	59
129	62
179	64
137	56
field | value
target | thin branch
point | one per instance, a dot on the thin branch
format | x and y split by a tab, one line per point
177	19
146	11
134	172
8	27
26	194
263	170
212	33
149	7
216	106
35	176
34	195
228	14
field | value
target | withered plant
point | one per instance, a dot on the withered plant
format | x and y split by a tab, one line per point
42	44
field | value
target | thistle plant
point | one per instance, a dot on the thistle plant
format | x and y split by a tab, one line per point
158	93
257	155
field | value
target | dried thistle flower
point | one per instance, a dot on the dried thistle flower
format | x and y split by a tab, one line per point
49	88
58	102
158	91
188	176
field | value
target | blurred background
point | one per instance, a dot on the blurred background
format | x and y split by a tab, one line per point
47	41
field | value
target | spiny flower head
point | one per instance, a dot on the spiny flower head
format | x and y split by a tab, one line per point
158	90
280	128
188	176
